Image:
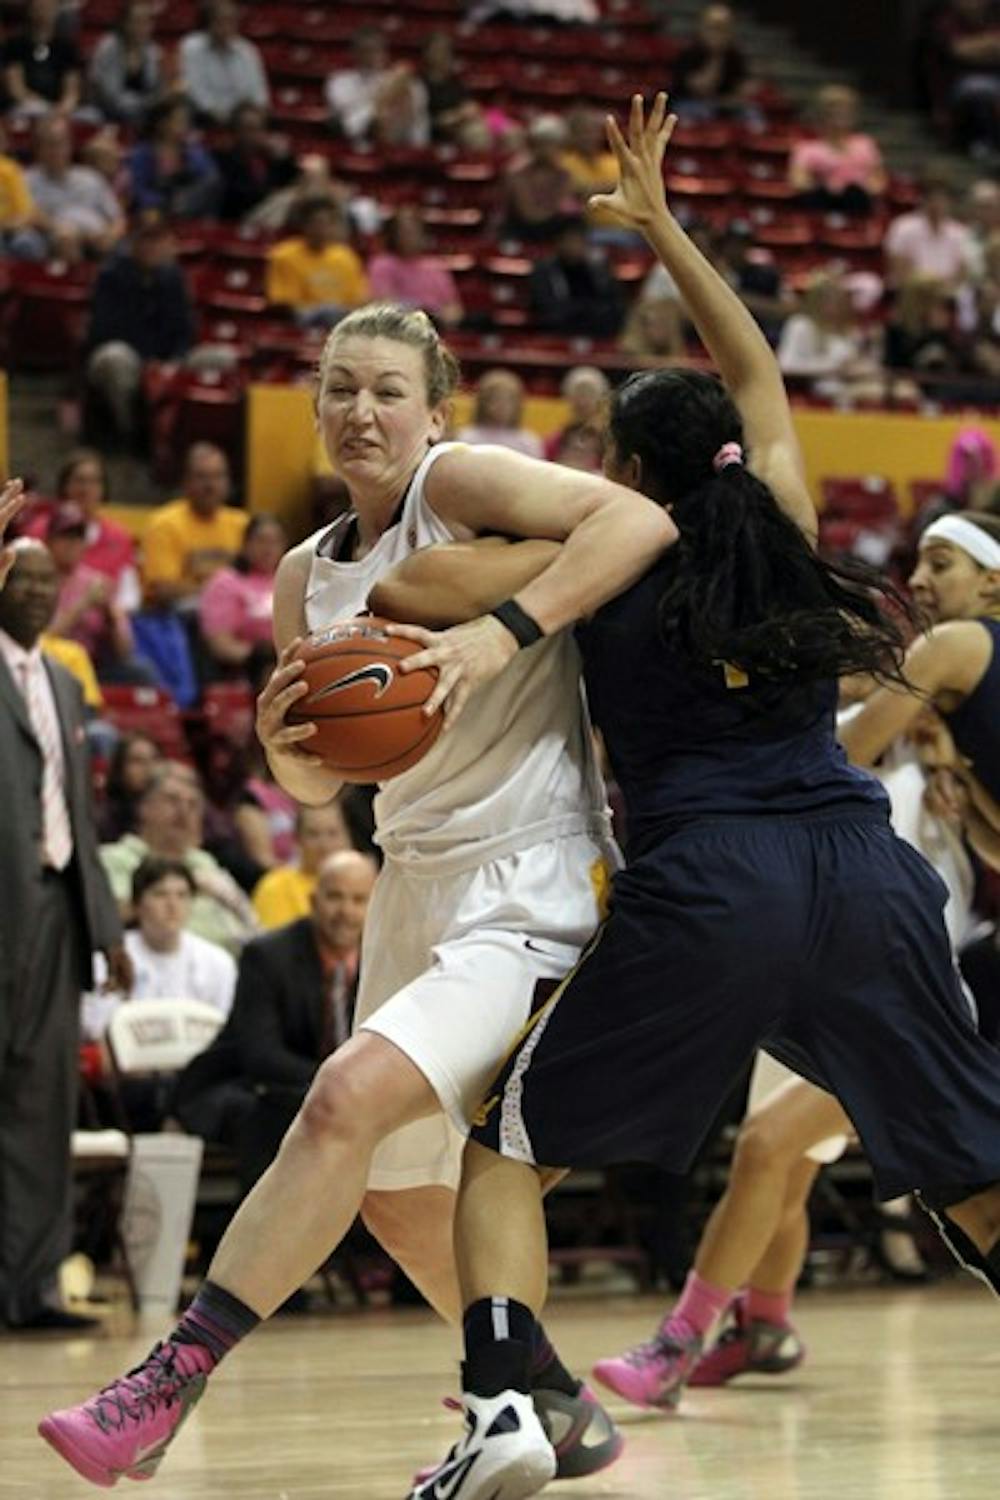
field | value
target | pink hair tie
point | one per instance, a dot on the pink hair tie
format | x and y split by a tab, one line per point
729	453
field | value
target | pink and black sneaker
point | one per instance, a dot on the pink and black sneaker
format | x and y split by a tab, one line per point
128	1426
749	1346
652	1374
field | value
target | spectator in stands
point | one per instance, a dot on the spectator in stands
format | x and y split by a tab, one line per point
316	273
127	72
824	343
83	480
133	761
278	808
496	416
169	963
41	68
405	272
20	235
87	610
585	391
141	310
538	193
841	170
76	210
253	165
169	824
285	893
294	1005
711	74
592	169
219	69
234	613
279	212
930	242
966	40
972	474
573	291
376	102
565	12
922	334
170	170
579	446
982	213
448	103
190	539
654	329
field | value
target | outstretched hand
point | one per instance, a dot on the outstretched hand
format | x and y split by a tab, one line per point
639	197
11	501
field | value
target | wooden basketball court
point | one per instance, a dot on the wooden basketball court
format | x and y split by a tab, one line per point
899	1400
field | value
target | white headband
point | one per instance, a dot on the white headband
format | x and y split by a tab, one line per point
980	546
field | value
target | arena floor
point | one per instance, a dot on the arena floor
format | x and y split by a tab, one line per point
898	1399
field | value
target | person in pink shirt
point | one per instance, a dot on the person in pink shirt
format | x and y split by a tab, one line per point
234	612
87	608
841	170
407	274
930	244
82	480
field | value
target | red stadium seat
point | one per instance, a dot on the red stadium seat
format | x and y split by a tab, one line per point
147	710
45	314
869	499
228	709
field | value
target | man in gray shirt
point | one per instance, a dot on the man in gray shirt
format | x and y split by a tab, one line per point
77	210
219	68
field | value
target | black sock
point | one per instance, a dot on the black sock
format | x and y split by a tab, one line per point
499	1335
216	1320
547	1369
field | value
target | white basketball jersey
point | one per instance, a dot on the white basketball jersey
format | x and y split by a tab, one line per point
518	767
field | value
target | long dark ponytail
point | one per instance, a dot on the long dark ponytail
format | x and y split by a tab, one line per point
744	586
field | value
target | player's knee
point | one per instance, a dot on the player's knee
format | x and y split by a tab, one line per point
761	1148
336	1107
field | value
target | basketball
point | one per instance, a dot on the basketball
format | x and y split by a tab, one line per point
369	716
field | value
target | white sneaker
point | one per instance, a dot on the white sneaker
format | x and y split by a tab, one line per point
503	1455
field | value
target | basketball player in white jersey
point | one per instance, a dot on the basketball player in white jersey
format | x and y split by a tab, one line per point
493	845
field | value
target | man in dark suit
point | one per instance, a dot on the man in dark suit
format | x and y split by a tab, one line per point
294	1003
56	909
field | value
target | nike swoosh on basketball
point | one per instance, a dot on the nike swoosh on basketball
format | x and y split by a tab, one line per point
375	673
446	1485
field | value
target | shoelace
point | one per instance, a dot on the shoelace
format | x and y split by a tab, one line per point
140	1392
660	1346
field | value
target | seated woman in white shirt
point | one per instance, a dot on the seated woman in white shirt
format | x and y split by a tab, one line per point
169	963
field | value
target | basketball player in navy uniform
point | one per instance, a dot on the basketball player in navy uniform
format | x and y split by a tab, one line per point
766	900
495	844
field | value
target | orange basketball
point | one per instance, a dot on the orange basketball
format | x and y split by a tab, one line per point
368	715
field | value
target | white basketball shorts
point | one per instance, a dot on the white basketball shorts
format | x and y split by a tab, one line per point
448	972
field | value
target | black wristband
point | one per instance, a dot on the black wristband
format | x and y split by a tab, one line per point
525	630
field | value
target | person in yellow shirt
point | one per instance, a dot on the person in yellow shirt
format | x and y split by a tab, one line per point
592	167
19	235
73	656
189	539
316	273
285	893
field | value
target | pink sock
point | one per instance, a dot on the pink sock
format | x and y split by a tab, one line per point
699	1305
768	1307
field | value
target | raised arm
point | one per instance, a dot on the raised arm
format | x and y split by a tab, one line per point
11	501
736	344
454	582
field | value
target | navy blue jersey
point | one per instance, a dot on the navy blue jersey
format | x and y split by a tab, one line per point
683	744
975	724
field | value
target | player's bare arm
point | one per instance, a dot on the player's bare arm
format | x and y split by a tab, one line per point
739	349
454	582
302	775
949	660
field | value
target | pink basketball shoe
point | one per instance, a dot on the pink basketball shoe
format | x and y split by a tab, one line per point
749	1346
652	1374
127	1427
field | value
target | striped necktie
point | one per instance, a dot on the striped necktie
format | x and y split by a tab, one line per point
57	834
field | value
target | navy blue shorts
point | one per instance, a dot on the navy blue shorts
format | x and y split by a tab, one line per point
820	938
